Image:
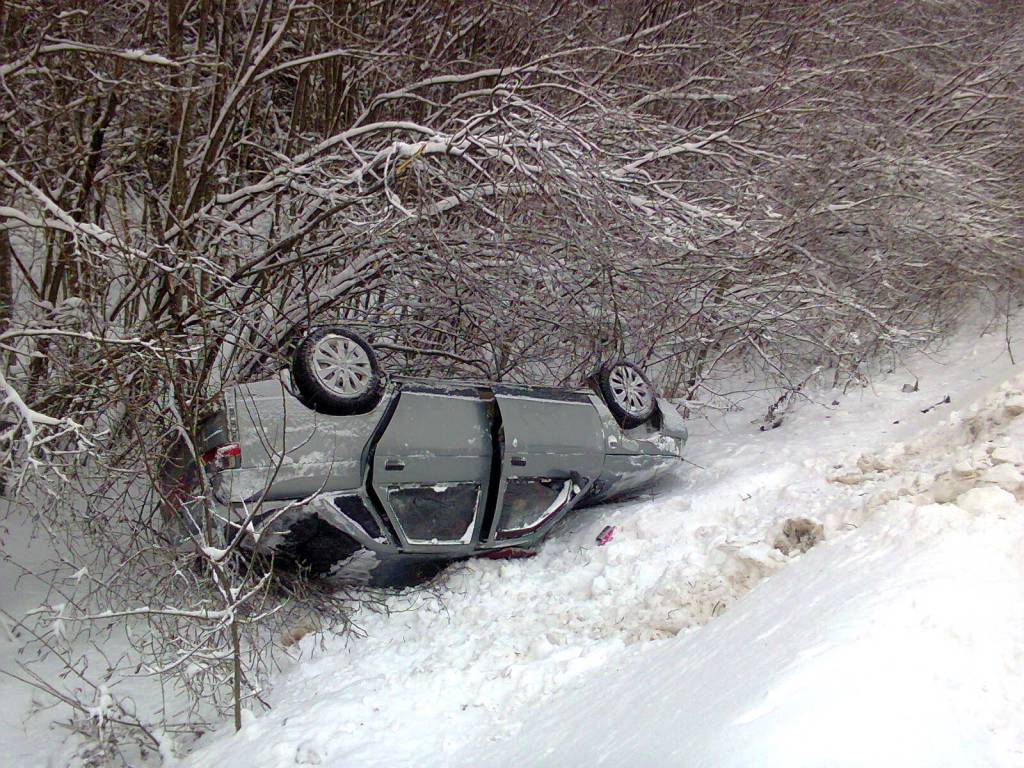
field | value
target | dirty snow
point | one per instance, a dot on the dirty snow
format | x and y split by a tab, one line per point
897	640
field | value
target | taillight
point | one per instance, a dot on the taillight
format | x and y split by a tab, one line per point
226	456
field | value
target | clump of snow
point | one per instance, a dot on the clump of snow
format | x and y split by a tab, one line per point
1007	454
799	535
1006	476
1014	405
982	500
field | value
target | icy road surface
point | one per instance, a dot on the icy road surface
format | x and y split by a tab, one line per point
897	640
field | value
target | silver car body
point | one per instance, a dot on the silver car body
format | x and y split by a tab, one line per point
437	469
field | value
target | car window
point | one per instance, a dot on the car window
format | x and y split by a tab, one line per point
529	501
436	513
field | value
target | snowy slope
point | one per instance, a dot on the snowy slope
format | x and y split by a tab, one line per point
900	644
893	642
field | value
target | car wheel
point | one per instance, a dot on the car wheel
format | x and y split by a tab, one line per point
336	372
627	392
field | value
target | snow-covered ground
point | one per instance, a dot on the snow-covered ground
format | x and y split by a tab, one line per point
692	638
897	640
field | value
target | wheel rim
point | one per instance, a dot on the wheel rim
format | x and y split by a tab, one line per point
342	366
629	389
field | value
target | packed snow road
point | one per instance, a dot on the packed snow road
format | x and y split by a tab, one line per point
894	641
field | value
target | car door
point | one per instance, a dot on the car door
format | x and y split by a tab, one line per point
431	467
552	450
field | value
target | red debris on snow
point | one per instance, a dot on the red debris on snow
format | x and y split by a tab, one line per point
511	553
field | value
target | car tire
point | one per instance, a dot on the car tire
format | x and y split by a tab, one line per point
336	372
627	392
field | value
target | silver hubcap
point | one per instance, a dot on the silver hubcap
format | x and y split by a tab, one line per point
342	366
629	389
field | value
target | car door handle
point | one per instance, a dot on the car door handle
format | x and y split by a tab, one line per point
518	461
393	465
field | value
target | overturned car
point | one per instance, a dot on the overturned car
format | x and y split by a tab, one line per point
335	463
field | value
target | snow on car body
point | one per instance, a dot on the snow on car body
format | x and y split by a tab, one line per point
428	470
